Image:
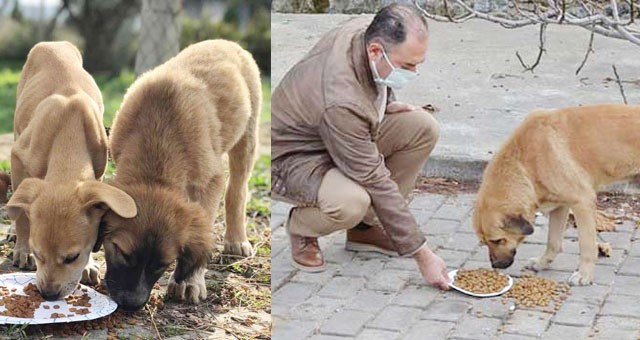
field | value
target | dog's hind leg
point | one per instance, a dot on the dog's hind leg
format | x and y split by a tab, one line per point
241	160
586	222
557	224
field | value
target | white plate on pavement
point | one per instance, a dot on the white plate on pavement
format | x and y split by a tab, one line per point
101	305
452	276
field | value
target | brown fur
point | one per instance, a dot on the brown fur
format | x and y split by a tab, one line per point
59	154
555	161
168	140
5	182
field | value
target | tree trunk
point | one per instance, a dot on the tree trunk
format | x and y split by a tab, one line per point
160	33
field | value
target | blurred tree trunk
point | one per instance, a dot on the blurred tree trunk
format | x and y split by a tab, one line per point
98	21
160	33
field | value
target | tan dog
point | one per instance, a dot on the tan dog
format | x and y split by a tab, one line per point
59	153
555	161
168	139
5	182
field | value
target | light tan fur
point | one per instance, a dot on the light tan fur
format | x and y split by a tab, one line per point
556	161
168	141
59	154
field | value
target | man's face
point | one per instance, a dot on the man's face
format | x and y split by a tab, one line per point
406	55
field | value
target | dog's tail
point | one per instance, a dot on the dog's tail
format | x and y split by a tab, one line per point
5	182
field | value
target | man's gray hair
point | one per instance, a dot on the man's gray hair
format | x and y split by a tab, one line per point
391	24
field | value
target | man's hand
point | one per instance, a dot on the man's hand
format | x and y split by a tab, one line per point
399	107
432	268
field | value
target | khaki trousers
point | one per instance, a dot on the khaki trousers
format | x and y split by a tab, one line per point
406	141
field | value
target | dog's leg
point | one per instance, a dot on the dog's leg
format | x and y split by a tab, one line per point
193	289
586	223
90	273
22	257
241	159
557	224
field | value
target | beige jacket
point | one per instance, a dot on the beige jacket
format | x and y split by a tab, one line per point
324	116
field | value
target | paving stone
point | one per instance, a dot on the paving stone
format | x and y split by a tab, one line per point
346	323
395	318
576	314
285	329
279	278
388	280
635	248
557	331
565	262
291	295
416	296
377	334
325	337
617	240
316	308
337	255
342	287
528	322
621	305
452	212
616	322
453	258
316	278
526	251
446	310
617	334
626	285
539	235
429	329
471	327
630	266
470	264
426	202
437	226
604	275
509	336
369	300
402	263
491	307
593	294
464	242
422	217
361	267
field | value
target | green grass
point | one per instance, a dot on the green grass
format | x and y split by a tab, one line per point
113	90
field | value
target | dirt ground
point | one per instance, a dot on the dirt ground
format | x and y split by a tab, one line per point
238	304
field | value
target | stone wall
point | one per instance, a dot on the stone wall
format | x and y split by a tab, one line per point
336	6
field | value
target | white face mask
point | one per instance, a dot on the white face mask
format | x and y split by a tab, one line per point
398	77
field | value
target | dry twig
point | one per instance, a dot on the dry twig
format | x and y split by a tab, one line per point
615	71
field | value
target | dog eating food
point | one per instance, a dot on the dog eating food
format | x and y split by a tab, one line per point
24	306
481	280
534	291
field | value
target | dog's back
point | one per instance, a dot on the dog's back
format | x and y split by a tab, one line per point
178	117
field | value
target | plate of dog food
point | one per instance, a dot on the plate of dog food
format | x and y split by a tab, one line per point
21	303
481	282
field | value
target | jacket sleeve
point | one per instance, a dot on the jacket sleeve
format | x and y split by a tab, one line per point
347	136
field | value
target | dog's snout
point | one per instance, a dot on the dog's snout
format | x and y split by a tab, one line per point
50	295
502	264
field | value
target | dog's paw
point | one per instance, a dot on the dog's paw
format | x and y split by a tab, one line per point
238	248
580	279
537	264
90	274
23	259
192	290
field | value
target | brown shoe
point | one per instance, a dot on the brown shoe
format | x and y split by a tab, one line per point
306	254
370	238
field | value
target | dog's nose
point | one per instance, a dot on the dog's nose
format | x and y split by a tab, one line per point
50	296
501	264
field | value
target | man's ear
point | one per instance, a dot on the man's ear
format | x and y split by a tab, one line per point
23	196
517	225
98	198
197	248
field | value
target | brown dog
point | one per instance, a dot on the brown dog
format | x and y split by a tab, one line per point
168	139
555	161
5	182
59	153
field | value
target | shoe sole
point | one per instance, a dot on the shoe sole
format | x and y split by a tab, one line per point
308	269
353	246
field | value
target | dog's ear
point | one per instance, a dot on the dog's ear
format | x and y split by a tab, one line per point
99	197
23	197
197	248
103	197
518	225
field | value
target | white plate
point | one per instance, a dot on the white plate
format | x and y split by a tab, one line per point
101	305
452	276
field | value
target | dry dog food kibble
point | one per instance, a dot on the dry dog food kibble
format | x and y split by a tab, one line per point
24	306
480	281
532	291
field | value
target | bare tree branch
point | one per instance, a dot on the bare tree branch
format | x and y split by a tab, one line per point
624	98
541	50
586	55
